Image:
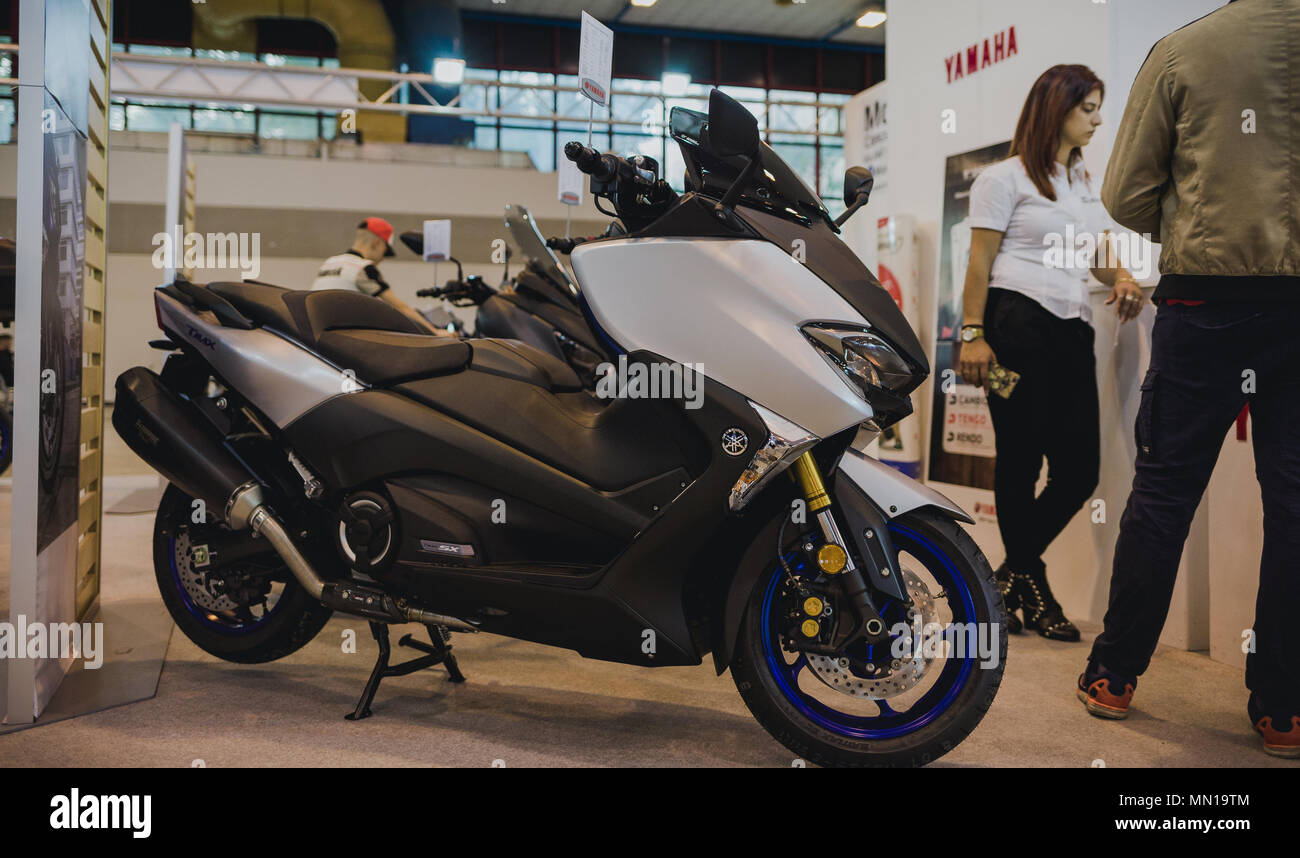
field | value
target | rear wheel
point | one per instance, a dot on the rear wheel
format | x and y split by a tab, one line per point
905	703
228	591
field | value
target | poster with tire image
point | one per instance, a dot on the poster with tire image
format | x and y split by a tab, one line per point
7	306
63	249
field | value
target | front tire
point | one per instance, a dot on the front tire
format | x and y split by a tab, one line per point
237	630
833	712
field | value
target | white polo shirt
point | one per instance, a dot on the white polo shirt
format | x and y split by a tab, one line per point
349	270
1044	252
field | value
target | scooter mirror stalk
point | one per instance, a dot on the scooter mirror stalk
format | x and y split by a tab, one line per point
858	182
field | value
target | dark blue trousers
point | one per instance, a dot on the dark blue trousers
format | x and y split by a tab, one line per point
1207	362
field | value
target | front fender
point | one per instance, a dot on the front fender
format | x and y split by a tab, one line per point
895	493
867	494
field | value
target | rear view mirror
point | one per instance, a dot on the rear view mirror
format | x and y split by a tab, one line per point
857	183
857	190
733	130
415	241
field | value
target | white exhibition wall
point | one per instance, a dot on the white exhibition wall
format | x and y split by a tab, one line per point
1215	595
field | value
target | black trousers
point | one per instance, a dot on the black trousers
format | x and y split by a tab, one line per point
1051	415
1206	363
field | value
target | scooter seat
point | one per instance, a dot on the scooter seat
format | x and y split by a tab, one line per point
354	331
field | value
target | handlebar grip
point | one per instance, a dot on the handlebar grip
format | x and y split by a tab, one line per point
587	159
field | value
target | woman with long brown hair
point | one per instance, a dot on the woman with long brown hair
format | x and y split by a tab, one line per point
1027	333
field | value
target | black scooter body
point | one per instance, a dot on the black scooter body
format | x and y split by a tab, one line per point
551	577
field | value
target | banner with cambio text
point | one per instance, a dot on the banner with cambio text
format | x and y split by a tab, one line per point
898	269
961	430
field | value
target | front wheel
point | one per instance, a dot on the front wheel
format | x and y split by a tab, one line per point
905	703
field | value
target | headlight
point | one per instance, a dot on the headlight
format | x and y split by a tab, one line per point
864	358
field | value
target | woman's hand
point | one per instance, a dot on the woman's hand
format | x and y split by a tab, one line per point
975	358
1127	298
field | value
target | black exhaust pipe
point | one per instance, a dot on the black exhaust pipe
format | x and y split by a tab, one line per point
176	440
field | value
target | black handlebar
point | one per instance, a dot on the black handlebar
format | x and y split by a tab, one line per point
604	168
565	245
588	160
471	290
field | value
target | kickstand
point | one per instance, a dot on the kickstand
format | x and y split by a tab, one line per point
438	652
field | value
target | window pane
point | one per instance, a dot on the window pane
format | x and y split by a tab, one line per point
214	117
639	109
7	121
289	126
831	120
540	145
639	144
524	101
831	186
290	60
485	137
226	56
147	117
116	117
158	51
792	117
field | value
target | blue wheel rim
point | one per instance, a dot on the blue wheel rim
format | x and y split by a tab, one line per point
203	615
889	724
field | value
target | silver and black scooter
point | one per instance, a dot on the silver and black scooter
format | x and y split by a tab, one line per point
324	455
540	305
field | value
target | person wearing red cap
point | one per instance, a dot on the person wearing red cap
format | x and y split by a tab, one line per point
358	267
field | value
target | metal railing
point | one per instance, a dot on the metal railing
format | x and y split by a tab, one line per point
190	80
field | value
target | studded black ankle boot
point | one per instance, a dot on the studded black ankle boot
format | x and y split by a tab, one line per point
1042	612
1003	577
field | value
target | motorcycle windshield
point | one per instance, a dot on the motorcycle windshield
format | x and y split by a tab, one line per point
774	187
523	229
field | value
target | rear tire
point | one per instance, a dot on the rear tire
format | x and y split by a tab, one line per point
294	621
778	704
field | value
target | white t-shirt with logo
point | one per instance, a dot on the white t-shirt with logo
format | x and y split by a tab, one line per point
1042	255
349	270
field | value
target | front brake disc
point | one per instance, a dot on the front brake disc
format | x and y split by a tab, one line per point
852	676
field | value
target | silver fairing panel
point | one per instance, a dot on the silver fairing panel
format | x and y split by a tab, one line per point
733	306
893	492
281	378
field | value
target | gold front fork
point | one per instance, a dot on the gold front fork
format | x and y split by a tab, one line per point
833	557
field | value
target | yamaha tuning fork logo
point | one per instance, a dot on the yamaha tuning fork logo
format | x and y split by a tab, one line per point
734	441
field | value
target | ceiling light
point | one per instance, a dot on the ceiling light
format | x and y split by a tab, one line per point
448	70
644	4
675	83
872	18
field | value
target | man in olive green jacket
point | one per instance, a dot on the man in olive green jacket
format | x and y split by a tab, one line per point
1207	162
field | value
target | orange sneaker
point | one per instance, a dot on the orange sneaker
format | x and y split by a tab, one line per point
1105	694
1277	743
